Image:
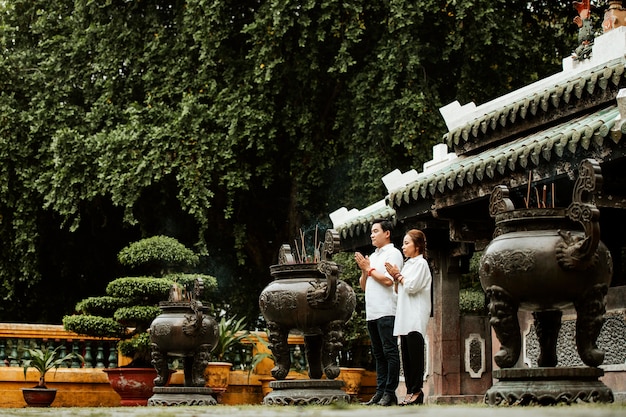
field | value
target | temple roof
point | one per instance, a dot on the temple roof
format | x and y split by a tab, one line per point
544	99
583	132
570	113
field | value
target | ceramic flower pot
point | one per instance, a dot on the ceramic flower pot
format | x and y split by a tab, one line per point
134	385
39	397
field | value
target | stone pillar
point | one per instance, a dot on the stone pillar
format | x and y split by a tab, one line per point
445	346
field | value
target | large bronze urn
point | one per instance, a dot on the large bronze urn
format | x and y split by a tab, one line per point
183	330
545	260
311	298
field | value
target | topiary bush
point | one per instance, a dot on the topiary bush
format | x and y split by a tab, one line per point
157	250
131	303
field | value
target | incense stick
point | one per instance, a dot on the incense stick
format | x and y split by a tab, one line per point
297	251
537	194
315	246
530	175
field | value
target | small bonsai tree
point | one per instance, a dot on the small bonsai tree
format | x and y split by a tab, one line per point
131	303
46	359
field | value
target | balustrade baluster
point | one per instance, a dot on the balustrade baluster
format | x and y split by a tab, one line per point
88	357
63	351
75	362
237	360
3	355
112	356
14	357
100	356
24	348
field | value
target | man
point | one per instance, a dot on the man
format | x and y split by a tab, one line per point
380	311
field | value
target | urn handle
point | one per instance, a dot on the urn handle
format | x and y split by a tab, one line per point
332	244
583	209
324	295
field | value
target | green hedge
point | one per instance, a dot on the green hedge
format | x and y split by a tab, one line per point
95	326
135	315
101	306
131	303
472	301
147	289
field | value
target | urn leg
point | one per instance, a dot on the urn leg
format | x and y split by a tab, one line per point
313	351
590	309
200	362
333	338
159	361
188	370
279	345
503	319
548	324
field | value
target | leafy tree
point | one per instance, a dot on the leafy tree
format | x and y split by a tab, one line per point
229	124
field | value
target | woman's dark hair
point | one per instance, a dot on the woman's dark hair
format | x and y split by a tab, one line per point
419	240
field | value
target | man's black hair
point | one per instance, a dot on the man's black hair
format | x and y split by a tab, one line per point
385	224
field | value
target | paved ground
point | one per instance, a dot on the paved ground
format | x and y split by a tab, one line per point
577	410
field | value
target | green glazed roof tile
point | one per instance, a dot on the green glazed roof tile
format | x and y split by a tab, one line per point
583	132
592	81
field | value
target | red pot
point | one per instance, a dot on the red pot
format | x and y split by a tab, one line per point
134	385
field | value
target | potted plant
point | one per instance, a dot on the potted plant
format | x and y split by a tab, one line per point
131	304
44	360
231	333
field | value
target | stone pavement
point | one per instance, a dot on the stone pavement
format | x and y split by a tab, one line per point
341	410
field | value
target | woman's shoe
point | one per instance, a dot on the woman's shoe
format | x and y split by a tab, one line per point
407	398
416	399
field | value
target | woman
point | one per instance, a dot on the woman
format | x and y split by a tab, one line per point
413	286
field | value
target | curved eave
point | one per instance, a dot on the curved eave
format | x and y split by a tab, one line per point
359	225
585	132
567	93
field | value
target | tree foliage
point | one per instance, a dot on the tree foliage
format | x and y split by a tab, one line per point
228	123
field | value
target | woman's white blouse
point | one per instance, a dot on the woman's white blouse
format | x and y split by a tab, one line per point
414	301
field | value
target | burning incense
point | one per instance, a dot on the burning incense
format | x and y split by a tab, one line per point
530	178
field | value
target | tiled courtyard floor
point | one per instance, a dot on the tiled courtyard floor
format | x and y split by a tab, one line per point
577	410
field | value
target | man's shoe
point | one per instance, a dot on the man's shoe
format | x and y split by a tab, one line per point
375	399
388	399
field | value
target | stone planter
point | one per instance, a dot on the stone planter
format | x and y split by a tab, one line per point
183	330
311	298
